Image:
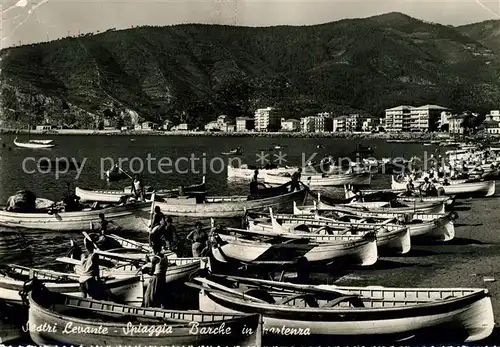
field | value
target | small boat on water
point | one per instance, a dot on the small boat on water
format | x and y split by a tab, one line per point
127	289
361	315
458	187
259	247
248	171
235	151
363	178
436	227
115	196
34	144
132	217
231	206
85	322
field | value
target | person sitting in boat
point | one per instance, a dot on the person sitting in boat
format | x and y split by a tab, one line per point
170	237
428	188
138	188
89	279
296	179
157	227
410	188
155	292
103	241
199	238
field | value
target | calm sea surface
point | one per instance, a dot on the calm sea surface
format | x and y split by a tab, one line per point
98	152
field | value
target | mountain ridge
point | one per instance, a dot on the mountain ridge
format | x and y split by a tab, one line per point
192	72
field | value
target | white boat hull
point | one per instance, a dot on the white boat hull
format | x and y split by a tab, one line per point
248	174
128	217
320	181
35	144
474	320
485	188
358	252
227	207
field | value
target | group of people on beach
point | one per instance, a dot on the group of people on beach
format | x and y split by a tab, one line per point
163	236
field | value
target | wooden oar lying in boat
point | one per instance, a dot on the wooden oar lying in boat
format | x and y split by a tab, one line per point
227	290
284	285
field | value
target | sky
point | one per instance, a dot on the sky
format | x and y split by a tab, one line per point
29	21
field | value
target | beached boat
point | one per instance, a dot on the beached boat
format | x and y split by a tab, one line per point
231	206
431	207
252	247
436	227
115	196
179	269
247	172
127	290
391	239
363	178
34	144
84	322
461	187
394	195
133	217
234	151
354	314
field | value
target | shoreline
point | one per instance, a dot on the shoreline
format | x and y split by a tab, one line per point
338	135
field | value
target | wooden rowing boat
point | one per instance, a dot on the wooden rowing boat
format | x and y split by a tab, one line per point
231	206
363	178
391	239
245	247
83	322
179	269
247	172
115	196
13	277
395	195
461	187
34	144
133	217
354	314
436	227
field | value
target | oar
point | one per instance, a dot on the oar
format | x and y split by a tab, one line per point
89	239
284	285
228	290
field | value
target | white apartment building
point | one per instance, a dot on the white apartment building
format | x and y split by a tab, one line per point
398	119
455	124
245	124
426	118
266	119
307	124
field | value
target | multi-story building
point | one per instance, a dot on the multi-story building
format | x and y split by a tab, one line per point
339	124
426	118
322	122
307	124
455	124
368	124
245	124
290	124
221	124
267	119
494	115
444	120
398	119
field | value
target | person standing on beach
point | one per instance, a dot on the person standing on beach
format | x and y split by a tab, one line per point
199	238
154	296
170	237
89	280
254	184
157	227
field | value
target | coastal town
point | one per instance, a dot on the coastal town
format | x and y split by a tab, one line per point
399	119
